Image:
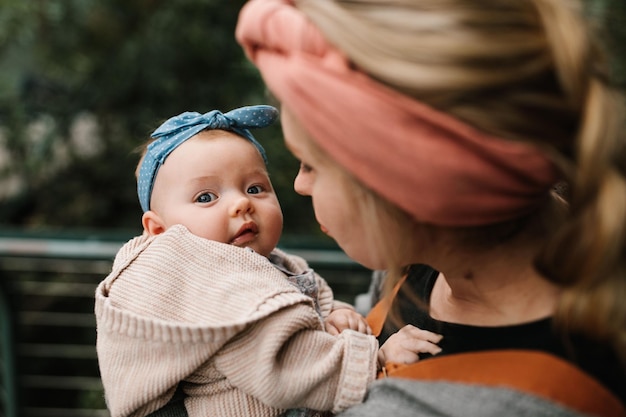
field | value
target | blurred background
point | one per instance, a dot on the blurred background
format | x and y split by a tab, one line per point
84	82
82	85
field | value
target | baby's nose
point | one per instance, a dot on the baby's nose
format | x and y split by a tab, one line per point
241	205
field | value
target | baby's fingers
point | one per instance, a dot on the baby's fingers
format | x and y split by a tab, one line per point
331	329
363	327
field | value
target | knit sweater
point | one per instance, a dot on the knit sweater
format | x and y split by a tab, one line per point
226	324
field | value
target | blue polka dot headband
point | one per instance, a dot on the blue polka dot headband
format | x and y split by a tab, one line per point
178	129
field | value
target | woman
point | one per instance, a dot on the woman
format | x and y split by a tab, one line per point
435	132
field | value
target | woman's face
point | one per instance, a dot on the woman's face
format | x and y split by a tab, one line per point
332	196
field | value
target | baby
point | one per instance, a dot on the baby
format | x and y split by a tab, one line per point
205	303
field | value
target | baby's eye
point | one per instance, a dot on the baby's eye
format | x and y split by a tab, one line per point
255	189
206	198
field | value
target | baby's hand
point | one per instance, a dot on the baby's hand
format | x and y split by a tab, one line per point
345	318
405	345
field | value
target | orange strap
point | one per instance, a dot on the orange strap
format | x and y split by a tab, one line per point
378	314
534	372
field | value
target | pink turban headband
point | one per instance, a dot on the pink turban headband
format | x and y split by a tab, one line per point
433	166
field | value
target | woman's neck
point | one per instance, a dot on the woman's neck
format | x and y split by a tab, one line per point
492	288
512	303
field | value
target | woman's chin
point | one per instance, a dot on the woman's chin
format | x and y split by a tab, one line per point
364	259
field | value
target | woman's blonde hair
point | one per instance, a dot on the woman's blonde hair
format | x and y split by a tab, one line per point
527	70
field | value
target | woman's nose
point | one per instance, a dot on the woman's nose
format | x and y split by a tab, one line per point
302	185
241	205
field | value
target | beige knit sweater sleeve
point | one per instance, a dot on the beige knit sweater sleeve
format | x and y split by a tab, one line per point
175	303
287	365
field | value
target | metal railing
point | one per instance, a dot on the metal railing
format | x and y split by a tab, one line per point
48	359
7	373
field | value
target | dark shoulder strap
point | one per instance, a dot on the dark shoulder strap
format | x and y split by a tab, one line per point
533	372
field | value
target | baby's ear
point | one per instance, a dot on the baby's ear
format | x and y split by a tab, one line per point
152	223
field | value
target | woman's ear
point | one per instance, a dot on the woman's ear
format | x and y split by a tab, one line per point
152	223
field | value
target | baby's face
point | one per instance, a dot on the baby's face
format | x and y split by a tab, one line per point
216	184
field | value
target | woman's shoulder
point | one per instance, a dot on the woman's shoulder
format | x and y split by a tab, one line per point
412	398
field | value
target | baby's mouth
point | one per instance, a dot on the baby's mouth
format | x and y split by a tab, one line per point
246	233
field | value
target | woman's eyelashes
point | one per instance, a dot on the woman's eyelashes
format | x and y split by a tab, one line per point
304	168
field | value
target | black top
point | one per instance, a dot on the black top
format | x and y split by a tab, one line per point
594	358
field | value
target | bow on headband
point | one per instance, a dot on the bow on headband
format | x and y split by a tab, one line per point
176	130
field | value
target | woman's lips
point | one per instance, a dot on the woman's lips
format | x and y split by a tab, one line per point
325	230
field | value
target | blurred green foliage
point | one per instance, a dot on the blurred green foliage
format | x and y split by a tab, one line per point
610	19
83	82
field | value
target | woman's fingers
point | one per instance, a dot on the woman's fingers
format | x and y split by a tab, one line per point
420	334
